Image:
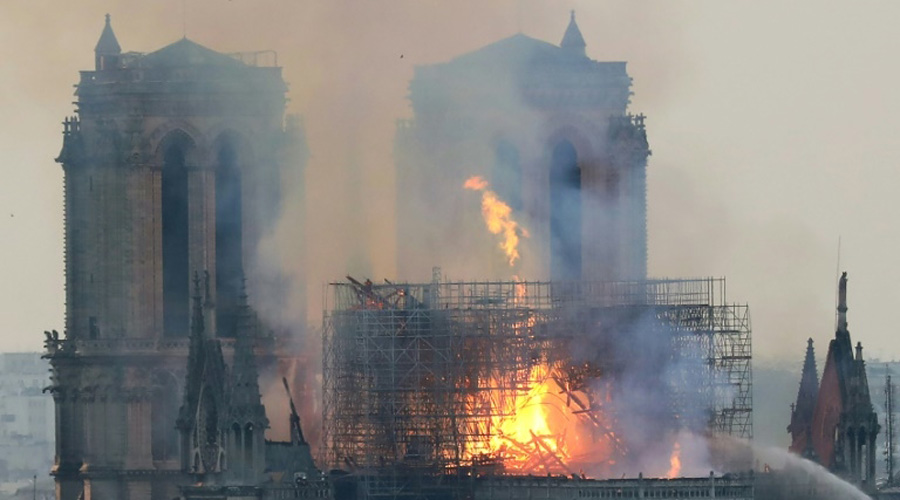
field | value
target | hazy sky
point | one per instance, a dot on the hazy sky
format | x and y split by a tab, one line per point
772	126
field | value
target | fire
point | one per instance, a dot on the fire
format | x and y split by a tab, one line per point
545	429
675	462
476	183
498	218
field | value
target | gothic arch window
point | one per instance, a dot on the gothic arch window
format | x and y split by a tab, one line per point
229	234
565	213
506	174
176	148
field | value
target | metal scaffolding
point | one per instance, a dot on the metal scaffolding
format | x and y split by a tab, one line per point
421	376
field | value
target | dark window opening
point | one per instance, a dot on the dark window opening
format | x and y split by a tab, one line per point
248	450
176	282
565	213
229	237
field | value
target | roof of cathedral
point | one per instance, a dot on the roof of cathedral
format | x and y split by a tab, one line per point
572	38
108	43
186	52
518	48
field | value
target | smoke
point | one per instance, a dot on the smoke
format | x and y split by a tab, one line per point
786	475
661	396
348	65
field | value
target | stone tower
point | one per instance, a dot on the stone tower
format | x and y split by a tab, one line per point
550	129
172	169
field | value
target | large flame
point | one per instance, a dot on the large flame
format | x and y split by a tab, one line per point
498	217
675	462
547	428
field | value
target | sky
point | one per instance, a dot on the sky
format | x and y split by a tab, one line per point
772	126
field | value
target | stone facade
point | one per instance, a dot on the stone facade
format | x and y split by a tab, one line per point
550	129
172	169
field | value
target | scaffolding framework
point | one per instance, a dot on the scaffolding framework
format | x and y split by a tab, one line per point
419	375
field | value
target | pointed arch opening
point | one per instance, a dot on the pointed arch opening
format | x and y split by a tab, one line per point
176	149
229	234
565	213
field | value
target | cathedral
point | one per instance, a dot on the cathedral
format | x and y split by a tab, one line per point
833	421
172	171
550	129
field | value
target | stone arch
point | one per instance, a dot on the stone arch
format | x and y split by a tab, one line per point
232	131
154	143
176	154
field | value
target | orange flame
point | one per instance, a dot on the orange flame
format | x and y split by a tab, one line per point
476	183
675	462
544	429
498	217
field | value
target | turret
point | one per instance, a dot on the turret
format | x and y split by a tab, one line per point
572	40
107	51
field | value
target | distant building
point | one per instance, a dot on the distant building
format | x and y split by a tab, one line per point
26	416
840	429
551	130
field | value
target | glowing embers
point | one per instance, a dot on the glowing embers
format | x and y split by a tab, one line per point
543	424
498	218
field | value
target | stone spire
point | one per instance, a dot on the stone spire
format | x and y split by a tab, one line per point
247	414
842	303
196	359
572	40
107	51
245	395
803	410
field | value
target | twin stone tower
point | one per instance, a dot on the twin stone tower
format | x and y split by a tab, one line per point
173	176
